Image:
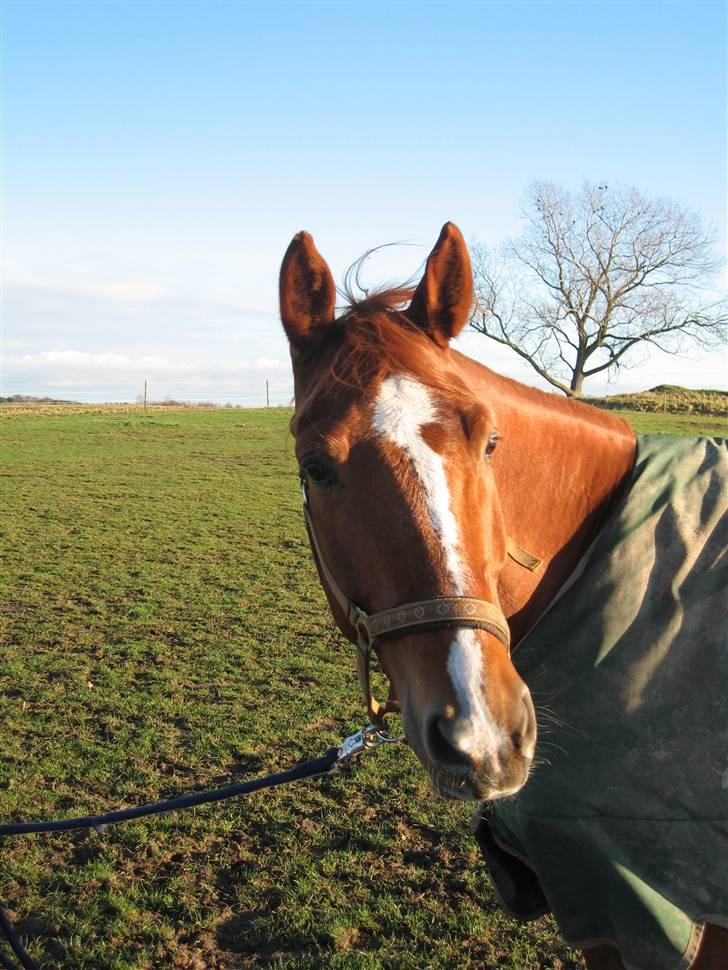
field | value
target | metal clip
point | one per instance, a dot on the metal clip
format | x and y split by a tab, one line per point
369	737
358	619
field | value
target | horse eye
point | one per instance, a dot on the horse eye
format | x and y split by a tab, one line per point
318	473
490	447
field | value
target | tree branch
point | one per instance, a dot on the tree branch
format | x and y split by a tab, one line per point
597	273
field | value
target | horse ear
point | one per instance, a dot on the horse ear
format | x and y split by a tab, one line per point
307	292
444	296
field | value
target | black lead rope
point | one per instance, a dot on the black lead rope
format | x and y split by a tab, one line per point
307	769
15	945
369	737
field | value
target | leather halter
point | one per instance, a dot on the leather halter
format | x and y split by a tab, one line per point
444	611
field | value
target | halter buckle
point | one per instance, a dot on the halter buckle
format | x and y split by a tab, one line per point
359	619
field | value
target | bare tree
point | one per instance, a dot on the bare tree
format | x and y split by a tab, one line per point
594	278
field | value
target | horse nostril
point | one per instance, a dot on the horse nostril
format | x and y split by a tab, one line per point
523	735
441	746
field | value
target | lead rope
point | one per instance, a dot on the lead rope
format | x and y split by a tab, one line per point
369	737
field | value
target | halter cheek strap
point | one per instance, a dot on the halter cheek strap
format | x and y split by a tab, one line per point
445	611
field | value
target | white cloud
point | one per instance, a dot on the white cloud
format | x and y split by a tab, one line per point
107	376
95	341
73	359
66	363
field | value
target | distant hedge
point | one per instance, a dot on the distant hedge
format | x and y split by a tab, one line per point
668	398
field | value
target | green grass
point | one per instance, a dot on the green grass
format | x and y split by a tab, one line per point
163	630
654	422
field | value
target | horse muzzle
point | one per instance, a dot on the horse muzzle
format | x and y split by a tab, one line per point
473	757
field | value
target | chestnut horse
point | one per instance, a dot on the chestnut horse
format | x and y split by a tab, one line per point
447	506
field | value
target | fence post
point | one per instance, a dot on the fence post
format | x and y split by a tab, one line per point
267	395
145	395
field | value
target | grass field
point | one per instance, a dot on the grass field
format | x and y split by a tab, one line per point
163	630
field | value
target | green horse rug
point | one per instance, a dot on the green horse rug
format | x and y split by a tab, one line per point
622	829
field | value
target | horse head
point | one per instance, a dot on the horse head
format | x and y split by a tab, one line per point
395	458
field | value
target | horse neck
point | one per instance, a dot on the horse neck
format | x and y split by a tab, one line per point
559	471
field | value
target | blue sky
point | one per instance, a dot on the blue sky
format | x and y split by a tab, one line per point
157	158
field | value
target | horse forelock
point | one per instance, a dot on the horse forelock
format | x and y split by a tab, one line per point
372	340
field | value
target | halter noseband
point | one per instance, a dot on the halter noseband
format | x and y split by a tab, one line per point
444	611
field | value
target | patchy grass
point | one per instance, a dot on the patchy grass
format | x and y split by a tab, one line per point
163	629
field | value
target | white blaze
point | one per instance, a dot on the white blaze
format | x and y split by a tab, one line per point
401	408
475	730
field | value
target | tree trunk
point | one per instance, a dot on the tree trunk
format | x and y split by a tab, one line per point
577	378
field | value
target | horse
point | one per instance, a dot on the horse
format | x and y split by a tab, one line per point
452	512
